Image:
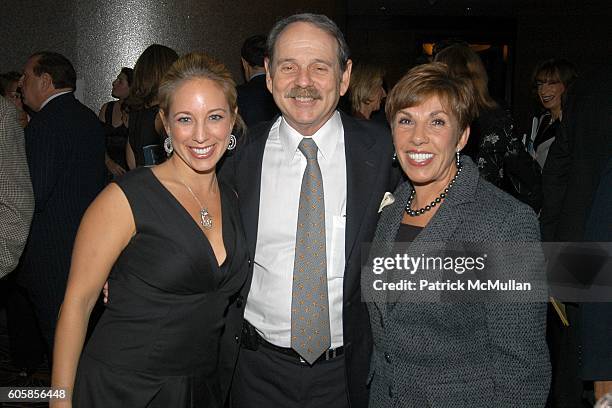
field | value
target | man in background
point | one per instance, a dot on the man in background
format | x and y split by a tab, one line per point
255	102
65	151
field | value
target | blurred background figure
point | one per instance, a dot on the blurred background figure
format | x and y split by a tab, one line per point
551	78
255	102
114	116
16	197
26	346
576	208
493	145
65	153
145	130
9	88
366	90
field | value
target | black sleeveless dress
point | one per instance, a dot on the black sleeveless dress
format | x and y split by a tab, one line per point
116	137
158	342
146	143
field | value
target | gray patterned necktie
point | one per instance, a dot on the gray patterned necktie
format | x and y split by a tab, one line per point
310	334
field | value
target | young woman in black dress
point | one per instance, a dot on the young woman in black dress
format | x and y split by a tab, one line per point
169	241
113	115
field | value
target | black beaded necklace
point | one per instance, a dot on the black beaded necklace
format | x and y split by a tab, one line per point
420	211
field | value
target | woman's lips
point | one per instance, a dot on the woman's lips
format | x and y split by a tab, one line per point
202	152
419	158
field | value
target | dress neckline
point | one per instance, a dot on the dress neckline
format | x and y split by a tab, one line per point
194	224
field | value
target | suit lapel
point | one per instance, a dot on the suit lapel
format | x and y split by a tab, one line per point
249	179
361	173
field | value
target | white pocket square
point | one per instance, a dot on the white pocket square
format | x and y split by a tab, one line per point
388	199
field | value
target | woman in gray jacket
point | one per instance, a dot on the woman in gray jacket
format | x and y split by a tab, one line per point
430	350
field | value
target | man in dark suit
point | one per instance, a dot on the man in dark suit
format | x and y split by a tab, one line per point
570	178
307	71
65	152
255	102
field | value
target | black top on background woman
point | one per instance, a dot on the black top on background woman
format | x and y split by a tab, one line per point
145	130
114	116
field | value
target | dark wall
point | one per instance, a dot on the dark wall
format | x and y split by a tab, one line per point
582	35
579	30
100	37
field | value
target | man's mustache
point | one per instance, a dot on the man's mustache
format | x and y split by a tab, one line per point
308	92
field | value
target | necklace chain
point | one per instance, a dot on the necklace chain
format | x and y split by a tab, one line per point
436	201
205	218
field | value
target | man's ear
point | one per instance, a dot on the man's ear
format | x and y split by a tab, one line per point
345	78
46	82
268	73
245	69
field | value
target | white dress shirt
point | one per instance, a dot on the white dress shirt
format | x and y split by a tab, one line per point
268	306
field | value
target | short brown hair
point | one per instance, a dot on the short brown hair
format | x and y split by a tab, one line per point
433	79
197	65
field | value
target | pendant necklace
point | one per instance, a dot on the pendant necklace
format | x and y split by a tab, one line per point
205	218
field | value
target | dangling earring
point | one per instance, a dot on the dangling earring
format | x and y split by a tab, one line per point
394	157
458	159
232	143
168	145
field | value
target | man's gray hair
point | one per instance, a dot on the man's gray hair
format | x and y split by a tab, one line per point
320	21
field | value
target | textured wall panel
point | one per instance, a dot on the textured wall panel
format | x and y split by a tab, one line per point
100	37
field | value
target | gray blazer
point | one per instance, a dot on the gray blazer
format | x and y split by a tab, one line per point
16	197
464	355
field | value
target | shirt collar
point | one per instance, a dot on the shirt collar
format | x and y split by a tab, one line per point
52	97
326	137
256	75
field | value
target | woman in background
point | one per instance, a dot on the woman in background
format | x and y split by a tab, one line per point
114	116
551	78
366	91
145	130
493	144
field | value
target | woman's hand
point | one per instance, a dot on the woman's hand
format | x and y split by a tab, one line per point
115	169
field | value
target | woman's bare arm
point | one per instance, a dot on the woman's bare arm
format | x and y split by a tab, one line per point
105	230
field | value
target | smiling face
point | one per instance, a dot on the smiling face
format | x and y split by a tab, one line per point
199	121
426	139
550	91
305	77
121	87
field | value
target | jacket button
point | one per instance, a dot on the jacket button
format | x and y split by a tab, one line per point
239	302
249	261
388	358
391	393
